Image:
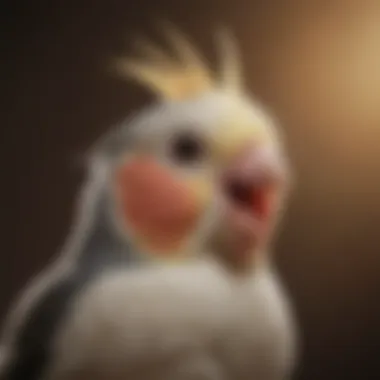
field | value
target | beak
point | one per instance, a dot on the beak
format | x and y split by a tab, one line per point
252	177
251	187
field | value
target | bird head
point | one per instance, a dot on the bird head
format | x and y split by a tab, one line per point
200	171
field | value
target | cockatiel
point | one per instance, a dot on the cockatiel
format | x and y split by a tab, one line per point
167	274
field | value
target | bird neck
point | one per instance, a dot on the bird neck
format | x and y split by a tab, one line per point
95	241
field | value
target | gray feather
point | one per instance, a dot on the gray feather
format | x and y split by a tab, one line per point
95	248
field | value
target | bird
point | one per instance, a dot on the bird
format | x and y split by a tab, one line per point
168	271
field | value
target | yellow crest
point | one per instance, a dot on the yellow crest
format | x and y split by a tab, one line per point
186	77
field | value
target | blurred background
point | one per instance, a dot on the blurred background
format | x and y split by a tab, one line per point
316	64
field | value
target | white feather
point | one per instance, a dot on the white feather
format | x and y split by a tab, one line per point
155	322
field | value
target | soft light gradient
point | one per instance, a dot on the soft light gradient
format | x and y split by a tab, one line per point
315	64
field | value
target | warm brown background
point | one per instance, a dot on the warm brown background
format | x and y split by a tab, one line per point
316	63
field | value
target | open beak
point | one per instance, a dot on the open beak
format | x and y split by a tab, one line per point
251	182
251	188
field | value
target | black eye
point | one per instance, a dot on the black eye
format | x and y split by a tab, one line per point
187	149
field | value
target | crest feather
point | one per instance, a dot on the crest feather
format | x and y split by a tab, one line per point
231	73
186	77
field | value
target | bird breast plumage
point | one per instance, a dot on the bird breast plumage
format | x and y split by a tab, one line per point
177	322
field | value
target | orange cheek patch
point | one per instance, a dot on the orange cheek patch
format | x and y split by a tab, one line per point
159	208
